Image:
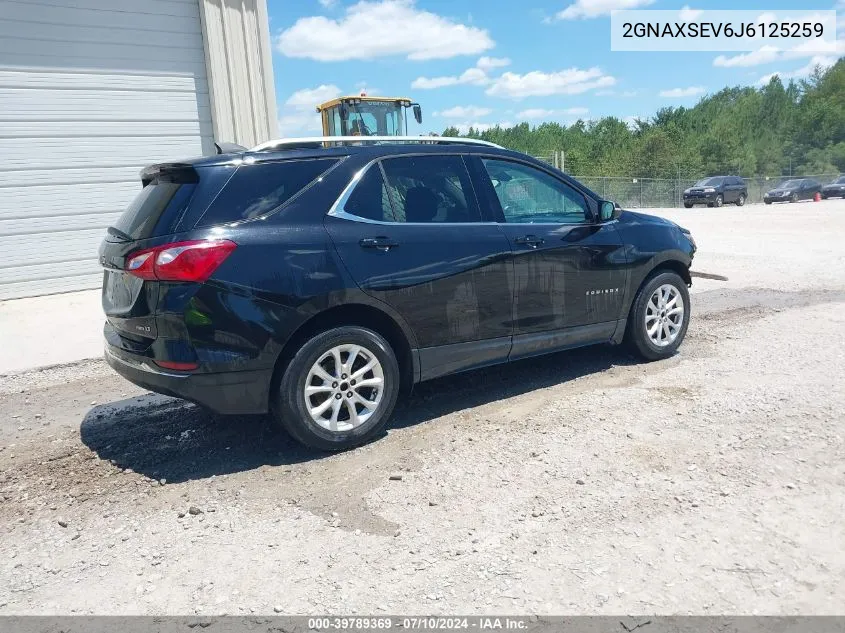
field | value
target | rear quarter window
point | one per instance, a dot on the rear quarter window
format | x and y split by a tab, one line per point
155	209
256	190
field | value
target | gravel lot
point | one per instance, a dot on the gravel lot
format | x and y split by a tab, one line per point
584	482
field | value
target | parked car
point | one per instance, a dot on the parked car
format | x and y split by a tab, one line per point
320	284
793	190
834	189
716	191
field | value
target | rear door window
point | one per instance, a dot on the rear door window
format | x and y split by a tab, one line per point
257	190
432	189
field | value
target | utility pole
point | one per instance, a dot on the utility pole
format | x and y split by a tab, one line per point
678	187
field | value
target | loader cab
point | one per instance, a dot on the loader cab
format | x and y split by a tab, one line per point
367	116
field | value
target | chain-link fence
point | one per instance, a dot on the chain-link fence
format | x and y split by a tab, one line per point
668	192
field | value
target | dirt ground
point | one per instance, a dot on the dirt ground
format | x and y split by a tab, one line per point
583	482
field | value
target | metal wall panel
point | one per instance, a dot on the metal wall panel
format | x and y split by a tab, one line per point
91	92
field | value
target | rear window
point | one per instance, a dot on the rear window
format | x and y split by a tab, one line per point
159	201
256	190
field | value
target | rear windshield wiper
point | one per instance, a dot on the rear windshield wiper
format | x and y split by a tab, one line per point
123	237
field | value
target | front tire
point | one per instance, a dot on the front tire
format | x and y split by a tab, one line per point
687	205
793	197
720	200
339	390
659	317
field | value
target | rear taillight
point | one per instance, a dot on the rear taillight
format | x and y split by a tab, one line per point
180	261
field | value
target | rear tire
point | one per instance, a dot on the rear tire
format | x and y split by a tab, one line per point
741	200
327	406
655	329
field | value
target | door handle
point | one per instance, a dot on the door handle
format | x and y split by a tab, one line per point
381	243
529	240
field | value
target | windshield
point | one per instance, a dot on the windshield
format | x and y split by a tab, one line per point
839	181
791	184
709	182
375	118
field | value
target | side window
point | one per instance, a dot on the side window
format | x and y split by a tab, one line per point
530	196
430	189
370	199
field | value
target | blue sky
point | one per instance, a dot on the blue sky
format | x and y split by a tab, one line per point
474	62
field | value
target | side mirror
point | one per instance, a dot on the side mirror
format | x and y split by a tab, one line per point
418	113
609	211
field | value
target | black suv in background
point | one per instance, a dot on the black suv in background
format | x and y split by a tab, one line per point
716	191
834	189
793	190
320	283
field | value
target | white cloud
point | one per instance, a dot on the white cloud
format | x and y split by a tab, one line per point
464	112
381	28
689	15
819	60
532	114
298	122
538	83
489	63
812	48
680	93
311	97
300	115
582	9
763	55
472	76
475	76
328	4
770	54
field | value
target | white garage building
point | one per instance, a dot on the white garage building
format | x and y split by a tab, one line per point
91	91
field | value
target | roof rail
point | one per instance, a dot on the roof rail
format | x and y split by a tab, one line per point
281	143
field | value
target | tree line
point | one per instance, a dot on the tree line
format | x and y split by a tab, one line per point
774	130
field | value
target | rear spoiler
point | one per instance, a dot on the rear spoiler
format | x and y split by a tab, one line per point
169	172
228	148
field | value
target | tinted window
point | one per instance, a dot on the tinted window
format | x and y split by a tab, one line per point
256	190
530	195
791	184
840	180
369	199
140	218
430	189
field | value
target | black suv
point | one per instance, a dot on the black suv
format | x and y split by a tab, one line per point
319	283
716	191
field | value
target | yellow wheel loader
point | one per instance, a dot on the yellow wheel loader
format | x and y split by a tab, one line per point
367	116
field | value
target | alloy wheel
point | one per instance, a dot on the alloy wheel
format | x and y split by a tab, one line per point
664	315
344	387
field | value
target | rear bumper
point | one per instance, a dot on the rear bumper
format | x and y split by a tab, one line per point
236	392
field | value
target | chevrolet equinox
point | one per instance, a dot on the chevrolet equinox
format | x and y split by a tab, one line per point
318	281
